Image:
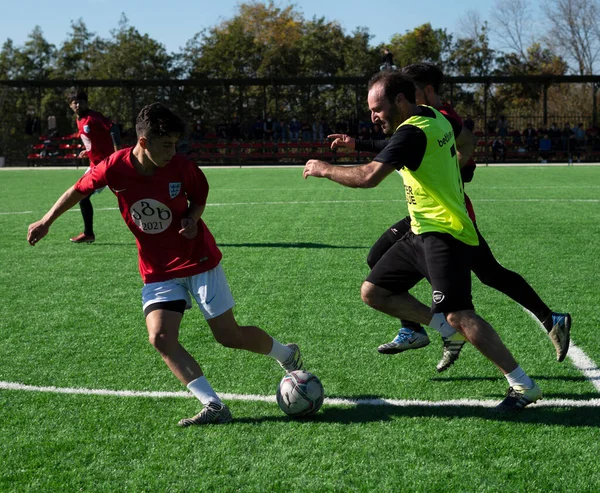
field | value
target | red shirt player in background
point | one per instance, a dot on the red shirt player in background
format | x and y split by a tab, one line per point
162	197
100	137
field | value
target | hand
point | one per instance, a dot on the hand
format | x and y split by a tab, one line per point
314	167
342	140
189	228
82	154
36	232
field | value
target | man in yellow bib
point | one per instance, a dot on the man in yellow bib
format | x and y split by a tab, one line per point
438	247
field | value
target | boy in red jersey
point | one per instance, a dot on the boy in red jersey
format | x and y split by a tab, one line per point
162	197
100	137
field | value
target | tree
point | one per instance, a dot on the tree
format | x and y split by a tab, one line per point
512	23
75	58
422	44
537	61
35	60
575	32
472	55
128	54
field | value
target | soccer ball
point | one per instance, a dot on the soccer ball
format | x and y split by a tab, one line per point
300	394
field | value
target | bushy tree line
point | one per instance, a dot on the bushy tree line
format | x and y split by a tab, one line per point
261	40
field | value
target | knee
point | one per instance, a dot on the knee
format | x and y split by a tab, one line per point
368	293
162	341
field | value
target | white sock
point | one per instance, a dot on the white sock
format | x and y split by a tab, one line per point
439	323
519	377
279	351
203	391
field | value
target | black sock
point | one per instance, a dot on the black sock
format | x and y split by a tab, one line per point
87	211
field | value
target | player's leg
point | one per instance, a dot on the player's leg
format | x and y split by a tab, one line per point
386	290
212	293
386	240
230	334
379	248
164	305
87	212
522	389
491	273
448	262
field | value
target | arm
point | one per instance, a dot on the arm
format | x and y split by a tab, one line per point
115	135
343	140
364	176
465	146
40	228
189	223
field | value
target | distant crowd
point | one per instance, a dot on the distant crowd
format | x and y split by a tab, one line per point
570	139
271	129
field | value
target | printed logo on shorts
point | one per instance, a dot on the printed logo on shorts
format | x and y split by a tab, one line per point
151	216
174	189
438	297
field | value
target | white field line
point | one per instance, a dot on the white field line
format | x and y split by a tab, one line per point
311	202
271	398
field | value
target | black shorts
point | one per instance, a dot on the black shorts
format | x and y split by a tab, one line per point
438	257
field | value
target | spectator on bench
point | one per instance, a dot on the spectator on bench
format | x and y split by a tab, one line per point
545	148
499	149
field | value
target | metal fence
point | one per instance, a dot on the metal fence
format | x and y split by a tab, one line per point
232	109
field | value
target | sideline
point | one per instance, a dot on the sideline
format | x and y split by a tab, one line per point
271	398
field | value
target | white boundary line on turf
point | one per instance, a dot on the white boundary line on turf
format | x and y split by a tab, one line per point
313	202
580	360
271	398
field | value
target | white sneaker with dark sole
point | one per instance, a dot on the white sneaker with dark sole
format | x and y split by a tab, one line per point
213	413
405	340
294	361
452	347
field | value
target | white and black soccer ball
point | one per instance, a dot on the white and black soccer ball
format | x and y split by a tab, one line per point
300	394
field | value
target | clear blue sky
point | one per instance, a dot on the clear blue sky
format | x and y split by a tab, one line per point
173	22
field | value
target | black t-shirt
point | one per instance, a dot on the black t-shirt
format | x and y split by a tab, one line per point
407	145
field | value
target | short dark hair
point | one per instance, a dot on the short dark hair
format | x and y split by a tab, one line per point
158	120
76	93
425	74
394	83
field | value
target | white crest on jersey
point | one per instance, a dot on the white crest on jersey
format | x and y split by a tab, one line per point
151	216
174	189
86	129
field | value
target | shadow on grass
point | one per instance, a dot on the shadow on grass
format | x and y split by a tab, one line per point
290	245
552	416
578	379
569	417
250	245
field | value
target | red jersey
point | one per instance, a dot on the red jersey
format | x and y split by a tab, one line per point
94	130
448	111
152	207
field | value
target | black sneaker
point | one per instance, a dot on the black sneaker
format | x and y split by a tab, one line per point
518	397
561	334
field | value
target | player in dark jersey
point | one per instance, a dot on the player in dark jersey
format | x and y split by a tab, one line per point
428	79
442	236
162	197
100	137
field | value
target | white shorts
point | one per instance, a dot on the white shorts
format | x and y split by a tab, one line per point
210	290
